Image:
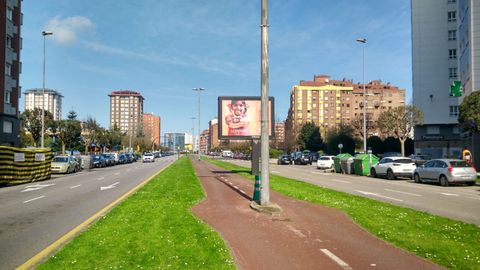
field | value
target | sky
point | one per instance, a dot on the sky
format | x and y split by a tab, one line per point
164	48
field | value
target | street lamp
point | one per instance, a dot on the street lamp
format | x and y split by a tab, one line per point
199	90
193	133
44	34
363	41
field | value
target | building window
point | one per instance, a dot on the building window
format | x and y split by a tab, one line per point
9	13
433	130
453	111
8	69
7	96
451	1
452	53
452	16
9	42
7	127
452	34
452	72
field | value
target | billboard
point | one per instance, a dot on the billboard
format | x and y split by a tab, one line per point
239	118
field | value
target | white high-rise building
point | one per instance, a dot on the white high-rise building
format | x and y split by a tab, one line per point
126	111
445	51
51	99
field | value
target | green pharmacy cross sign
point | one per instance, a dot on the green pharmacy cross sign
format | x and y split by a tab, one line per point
456	89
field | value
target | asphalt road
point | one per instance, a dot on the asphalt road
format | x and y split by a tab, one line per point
32	216
455	202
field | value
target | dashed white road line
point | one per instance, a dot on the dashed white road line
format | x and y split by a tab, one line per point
34	199
76	186
450	194
100	178
117	173
403	192
379	195
275	171
340	181
296	231
336	259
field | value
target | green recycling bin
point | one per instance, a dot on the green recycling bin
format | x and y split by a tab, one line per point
336	161
363	162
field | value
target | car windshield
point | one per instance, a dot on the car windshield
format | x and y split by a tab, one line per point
403	160
60	159
324	158
460	164
96	157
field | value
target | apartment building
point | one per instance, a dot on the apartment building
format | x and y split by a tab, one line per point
329	103
152	128
445	50
204	136
126	111
50	100
175	141
213	134
10	26
279	135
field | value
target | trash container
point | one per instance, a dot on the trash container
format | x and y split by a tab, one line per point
336	161
87	162
347	165
363	162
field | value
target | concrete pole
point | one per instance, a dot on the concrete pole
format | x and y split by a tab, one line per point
264	139
363	41
44	34
199	90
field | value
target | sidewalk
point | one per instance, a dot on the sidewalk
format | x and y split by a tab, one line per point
304	236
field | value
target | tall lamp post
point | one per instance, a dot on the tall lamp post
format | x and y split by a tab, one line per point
363	41
200	89
44	34
193	133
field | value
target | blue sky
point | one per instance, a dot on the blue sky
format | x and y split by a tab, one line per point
164	48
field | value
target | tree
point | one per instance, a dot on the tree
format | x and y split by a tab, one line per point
392	144
309	138
31	121
469	115
91	130
357	124
375	143
343	135
399	122
69	132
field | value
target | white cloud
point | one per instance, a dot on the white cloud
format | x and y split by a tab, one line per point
67	30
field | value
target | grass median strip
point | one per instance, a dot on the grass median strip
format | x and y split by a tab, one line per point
453	244
153	229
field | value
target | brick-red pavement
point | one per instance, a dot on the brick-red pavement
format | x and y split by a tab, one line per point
298	239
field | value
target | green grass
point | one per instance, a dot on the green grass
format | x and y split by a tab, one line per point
449	243
153	229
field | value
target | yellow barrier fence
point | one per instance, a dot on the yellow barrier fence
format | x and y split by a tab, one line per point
23	165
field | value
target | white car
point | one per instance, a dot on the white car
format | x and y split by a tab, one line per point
325	162
393	167
148	157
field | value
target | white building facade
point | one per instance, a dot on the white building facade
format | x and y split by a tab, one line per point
49	99
444	52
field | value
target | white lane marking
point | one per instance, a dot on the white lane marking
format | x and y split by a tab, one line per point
275	172
34	199
117	173
235	187
403	192
340	181
100	178
450	194
76	186
36	187
339	261
110	186
379	195
296	231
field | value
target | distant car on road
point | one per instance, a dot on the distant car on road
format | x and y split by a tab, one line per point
98	161
284	160
148	157
393	167
302	158
325	162
445	172
64	164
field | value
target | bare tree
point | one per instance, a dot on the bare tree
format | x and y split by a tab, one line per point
90	132
399	122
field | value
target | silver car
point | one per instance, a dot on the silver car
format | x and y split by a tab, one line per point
445	172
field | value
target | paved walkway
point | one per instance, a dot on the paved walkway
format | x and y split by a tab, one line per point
305	236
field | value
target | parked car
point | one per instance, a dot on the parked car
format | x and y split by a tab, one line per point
64	164
420	159
284	159
148	157
393	167
108	160
314	156
445	172
122	159
98	161
392	154
302	158
325	162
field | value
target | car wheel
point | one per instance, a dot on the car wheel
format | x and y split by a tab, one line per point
417	179
443	181
373	173
471	183
390	175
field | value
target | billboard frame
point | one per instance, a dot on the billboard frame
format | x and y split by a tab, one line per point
247	98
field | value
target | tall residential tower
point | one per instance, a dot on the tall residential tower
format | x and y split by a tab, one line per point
36	98
126	111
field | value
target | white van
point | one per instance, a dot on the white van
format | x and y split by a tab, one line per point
227	153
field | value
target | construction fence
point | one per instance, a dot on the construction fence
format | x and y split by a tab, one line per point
24	165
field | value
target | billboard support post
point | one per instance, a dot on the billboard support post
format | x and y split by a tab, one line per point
264	139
